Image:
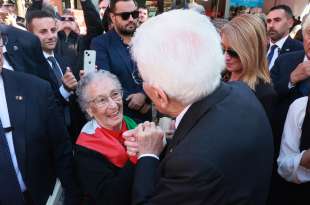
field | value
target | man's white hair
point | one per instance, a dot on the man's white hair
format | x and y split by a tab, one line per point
180	52
306	23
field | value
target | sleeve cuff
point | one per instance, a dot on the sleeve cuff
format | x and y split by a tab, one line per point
290	85
149	155
64	93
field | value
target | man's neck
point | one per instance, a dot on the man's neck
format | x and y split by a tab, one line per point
275	41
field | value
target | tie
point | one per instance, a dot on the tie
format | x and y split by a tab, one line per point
304	87
10	193
56	69
270	55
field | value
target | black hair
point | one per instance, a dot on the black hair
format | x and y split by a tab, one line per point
113	4
37	14
284	7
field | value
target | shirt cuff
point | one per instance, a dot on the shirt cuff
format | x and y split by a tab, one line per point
302	173
148	155
290	85
64	93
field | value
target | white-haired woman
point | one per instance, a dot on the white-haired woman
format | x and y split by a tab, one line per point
104	169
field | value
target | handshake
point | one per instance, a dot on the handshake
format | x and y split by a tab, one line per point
147	138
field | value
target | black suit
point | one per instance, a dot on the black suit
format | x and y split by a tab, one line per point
280	75
40	138
221	153
24	52
291	45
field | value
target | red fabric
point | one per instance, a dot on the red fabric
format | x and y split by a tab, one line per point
108	143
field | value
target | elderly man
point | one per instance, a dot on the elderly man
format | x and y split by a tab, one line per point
222	132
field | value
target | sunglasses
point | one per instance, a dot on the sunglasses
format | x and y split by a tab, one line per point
125	15
231	52
67	18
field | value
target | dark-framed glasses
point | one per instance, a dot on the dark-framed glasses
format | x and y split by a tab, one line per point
103	101
125	15
66	18
231	52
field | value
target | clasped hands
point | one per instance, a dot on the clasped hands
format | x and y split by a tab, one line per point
147	138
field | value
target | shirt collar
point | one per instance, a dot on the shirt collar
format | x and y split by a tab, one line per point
181	115
46	55
306	58
280	42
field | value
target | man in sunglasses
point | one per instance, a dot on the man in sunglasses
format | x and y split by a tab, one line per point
113	55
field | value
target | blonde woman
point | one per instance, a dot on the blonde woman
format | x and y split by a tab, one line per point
244	44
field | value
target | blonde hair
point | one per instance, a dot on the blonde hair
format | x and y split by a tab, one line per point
246	35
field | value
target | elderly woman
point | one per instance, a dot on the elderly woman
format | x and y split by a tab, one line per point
244	44
104	169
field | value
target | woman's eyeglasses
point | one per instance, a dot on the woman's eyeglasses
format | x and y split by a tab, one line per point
103	101
231	52
125	15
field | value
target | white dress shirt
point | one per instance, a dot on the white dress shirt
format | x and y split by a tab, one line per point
5	119
6	64
280	44
177	122
290	155
64	93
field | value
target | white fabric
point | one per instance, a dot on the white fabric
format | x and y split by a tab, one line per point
280	44
5	119
64	93
6	64
289	159
180	116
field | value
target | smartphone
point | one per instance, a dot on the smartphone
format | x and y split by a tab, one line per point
89	60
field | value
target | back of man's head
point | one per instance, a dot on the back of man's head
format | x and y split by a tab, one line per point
180	52
39	14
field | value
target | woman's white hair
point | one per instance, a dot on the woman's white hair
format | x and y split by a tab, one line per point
180	52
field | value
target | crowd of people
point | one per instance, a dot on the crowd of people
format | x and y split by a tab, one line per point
238	96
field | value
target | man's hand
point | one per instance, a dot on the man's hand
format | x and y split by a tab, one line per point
147	138
136	101
301	72
69	80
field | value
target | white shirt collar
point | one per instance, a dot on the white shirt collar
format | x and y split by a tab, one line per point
181	115
306	58
46	55
279	43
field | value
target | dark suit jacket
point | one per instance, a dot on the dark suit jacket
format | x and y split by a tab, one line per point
280	75
100	180
113	55
221	153
291	45
40	138
73	115
24	51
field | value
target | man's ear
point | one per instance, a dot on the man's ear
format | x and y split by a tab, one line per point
290	22
157	95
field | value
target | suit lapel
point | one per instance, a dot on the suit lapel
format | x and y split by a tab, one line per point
194	113
117	44
16	101
286	46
